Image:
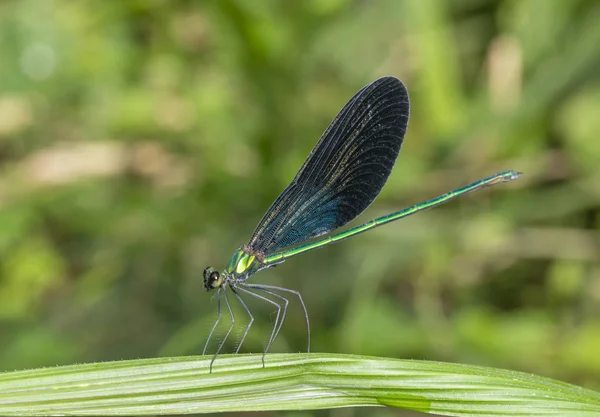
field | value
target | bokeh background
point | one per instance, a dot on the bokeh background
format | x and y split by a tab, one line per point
141	141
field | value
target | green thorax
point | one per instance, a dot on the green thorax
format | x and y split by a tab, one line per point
243	264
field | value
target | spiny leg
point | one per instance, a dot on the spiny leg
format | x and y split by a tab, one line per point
260	297
296	293
216	322
249	313
228	331
277	327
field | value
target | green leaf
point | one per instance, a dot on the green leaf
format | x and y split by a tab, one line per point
183	385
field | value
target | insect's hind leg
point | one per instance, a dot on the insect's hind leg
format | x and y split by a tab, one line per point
260	297
277	327
296	293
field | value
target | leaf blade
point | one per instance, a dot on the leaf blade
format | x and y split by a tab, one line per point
289	382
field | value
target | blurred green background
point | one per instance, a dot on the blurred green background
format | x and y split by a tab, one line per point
141	141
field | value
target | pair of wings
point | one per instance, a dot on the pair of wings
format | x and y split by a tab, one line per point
344	172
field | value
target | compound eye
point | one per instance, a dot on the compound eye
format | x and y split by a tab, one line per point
212	279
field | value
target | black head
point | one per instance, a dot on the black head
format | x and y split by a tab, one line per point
212	279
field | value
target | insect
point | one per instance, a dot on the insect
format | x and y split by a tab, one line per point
341	177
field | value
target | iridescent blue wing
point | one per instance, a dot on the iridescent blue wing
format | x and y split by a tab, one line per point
345	171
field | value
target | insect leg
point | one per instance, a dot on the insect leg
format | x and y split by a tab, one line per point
260	297
216	322
249	313
228	331
296	293
278	326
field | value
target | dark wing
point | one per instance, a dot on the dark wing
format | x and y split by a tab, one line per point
345	171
